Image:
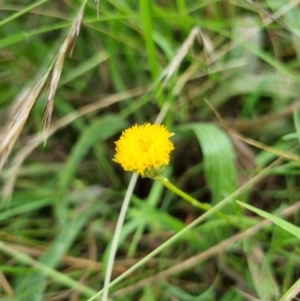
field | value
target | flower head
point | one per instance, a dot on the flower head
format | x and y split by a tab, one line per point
144	149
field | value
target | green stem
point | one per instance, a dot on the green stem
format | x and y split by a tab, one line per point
174	238
190	226
181	193
116	238
191	200
292	292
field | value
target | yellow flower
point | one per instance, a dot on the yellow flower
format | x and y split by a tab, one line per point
144	149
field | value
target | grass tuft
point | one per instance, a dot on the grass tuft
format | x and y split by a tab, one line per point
223	76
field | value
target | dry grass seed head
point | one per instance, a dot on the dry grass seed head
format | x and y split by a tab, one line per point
25	101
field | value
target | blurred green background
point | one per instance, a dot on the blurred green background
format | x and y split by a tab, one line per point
222	75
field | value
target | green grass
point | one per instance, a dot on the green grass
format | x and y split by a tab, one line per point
222	76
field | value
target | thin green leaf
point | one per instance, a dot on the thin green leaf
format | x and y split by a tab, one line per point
22	12
32	287
148	31
292	292
100	130
276	220
24	208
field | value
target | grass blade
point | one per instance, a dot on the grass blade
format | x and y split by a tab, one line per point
276	220
22	12
32	287
100	130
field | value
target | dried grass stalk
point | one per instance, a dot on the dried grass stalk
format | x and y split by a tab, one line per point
66	49
28	97
181	54
38	138
13	131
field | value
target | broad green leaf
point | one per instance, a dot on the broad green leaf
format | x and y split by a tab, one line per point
218	156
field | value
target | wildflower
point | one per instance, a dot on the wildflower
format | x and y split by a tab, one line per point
144	149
